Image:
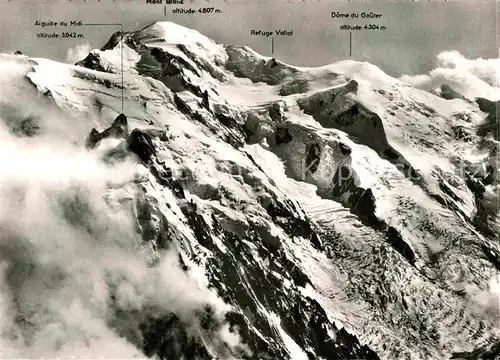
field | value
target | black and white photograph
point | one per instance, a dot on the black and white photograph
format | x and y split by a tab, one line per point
249	179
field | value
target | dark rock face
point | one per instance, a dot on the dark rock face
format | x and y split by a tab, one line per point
255	69
201	63
140	143
487	106
344	149
233	133
283	136
93	138
313	152
29	127
342	180
364	207
113	41
491	124
153	224
276	113
390	154
396	240
363	203
173	64
448	93
48	94
356	120
18	52
93	62
118	129
232	124
302	318
350	116
492	255
296	86
273	63
363	125
295	226
167	338
476	186
461	133
491	352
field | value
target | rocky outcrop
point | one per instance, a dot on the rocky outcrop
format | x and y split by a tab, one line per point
118	129
93	61
294	86
491	124
448	93
360	201
29	126
140	143
490	352
400	245
244	63
332	109
313	152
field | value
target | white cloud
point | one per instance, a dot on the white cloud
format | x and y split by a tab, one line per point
79	52
470	77
487	302
487	70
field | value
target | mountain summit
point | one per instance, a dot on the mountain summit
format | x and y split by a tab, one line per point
177	198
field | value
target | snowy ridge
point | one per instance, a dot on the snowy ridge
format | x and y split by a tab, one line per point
333	212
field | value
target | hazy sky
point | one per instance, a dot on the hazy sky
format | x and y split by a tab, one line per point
416	30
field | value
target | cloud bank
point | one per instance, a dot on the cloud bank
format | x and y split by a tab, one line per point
79	52
74	282
470	77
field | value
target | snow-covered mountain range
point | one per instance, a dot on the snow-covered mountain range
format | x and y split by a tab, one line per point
175	198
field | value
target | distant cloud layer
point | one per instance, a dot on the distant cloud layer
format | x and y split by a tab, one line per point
79	52
487	70
471	77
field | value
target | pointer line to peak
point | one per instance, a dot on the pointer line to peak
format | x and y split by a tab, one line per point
103	24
